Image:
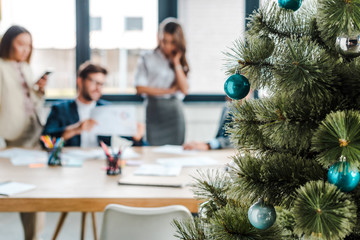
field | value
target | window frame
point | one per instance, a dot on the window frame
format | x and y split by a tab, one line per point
167	8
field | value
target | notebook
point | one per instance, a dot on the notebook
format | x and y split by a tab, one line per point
150	182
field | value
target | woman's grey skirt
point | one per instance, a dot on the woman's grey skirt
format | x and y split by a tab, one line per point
165	122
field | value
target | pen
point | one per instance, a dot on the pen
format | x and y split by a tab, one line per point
106	150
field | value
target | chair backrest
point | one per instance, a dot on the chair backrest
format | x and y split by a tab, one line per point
133	223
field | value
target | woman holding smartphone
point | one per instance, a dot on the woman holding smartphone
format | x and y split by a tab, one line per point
162	78
20	103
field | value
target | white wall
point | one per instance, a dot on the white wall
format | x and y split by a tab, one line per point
211	27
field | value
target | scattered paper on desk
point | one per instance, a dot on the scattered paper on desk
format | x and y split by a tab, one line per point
11	188
20	157
129	153
174	149
157	170
84	154
69	161
188	161
132	162
114	120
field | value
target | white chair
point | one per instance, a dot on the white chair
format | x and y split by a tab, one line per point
133	223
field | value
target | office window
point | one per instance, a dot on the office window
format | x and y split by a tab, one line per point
133	23
95	24
52	25
127	30
210	27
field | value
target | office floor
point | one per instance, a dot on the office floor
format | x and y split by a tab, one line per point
11	228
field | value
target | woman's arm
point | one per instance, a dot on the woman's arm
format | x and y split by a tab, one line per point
181	78
155	91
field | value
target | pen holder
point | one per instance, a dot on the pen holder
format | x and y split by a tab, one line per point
113	165
54	156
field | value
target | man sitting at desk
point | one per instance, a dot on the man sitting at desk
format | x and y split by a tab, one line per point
71	119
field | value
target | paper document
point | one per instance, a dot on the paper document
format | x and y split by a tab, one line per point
174	149
19	156
11	188
129	153
68	161
114	120
157	170
132	162
188	161
84	154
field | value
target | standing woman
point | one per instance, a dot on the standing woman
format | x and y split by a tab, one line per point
162	77
21	100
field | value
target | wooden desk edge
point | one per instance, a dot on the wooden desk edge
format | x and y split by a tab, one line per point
88	204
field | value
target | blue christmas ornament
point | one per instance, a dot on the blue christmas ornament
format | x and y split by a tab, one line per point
290	4
343	176
261	215
237	86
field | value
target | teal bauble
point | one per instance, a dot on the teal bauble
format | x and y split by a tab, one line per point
343	176
237	86
290	4
262	215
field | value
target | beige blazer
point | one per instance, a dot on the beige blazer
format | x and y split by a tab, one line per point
13	119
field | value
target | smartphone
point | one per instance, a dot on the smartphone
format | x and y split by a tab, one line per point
47	73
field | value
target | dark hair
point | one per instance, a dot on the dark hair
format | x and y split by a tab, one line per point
171	26
87	68
6	47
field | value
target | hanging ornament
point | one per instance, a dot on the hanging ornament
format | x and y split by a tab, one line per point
290	4
348	46
343	176
237	86
262	215
207	209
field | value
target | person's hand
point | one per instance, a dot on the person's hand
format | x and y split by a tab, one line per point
196	146
176	58
87	125
173	89
41	83
78	128
140	130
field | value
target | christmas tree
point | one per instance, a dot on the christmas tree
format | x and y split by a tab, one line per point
296	169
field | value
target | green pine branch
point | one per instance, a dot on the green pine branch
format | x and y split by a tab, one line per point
306	68
296	66
271	20
321	210
272	176
190	229
279	123
252	59
231	223
336	18
337	136
286	220
213	185
349	72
